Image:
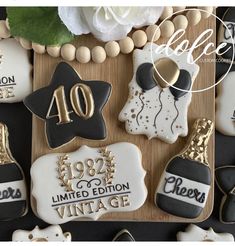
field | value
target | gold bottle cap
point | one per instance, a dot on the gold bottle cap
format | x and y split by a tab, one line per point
5	153
168	70
198	141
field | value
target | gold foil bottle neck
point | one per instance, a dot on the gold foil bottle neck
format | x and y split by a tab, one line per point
5	153
196	149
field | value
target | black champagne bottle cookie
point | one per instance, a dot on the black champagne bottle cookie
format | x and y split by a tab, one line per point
185	184
13	197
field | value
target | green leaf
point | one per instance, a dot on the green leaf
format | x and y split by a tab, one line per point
38	24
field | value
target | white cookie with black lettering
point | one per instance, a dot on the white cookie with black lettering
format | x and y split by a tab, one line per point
88	183
225	105
151	109
15	71
194	233
52	233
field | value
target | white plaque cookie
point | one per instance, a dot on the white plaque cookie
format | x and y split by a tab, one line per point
151	109
225	105
195	233
51	233
88	183
15	72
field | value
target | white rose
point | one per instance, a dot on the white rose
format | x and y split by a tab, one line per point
108	23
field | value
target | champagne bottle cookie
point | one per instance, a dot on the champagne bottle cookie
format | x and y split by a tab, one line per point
185	184
13	200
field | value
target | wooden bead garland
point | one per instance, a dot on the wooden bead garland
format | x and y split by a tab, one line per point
126	45
38	48
68	52
194	17
167	13
153	33
180	22
205	15
167	29
4	31
179	8
53	51
139	38
112	48
98	54
83	54
26	44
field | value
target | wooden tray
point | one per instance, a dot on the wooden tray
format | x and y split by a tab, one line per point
156	154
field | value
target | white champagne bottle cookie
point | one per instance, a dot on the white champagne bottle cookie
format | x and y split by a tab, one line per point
153	108
88	183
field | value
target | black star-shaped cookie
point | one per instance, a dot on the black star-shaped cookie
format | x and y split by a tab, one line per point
44	104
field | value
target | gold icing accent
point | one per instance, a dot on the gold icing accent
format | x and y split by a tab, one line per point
196	149
62	169
166	69
5	153
88	100
60	100
232	192
110	165
39	239
63	113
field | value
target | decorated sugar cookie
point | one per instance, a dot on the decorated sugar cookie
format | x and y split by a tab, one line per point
88	183
153	108
195	233
227	35
225	105
124	236
225	179
185	184
15	72
13	197
51	233
70	106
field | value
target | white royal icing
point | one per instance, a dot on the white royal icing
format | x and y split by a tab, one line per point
195	233
12	191
51	233
15	72
171	185
225	105
168	125
92	195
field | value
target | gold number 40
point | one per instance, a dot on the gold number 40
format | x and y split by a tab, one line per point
62	108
